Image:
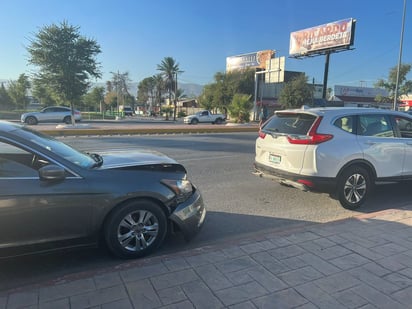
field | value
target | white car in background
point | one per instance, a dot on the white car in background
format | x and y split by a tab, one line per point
204	116
51	114
343	151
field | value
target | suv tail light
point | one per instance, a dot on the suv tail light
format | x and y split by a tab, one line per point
312	138
262	134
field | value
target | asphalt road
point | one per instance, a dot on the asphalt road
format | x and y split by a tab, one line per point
238	203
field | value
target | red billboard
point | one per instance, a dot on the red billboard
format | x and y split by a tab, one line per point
332	36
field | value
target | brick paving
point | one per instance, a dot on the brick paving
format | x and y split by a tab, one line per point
363	262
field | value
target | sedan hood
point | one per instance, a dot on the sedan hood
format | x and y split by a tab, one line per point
141	157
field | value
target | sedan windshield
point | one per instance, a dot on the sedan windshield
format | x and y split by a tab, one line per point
63	150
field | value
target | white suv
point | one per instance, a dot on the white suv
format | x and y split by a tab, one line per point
343	151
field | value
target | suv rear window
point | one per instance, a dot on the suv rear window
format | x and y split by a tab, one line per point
290	123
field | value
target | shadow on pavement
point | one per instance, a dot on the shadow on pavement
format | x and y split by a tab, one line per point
34	269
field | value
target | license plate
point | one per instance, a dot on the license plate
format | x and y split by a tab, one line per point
274	158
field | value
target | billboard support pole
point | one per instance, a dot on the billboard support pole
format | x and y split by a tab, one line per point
325	75
255	110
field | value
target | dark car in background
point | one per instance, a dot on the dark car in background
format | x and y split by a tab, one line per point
128	111
51	114
54	196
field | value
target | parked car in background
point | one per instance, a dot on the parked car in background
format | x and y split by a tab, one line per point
51	114
204	117
128	111
54	196
343	151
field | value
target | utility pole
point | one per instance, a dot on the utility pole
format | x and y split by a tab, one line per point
395	99
175	103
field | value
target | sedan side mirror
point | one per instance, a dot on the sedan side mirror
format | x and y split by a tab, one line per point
52	172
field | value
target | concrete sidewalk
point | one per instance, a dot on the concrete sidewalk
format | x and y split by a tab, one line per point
363	262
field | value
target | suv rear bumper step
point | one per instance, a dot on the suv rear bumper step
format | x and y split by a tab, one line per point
283	181
321	184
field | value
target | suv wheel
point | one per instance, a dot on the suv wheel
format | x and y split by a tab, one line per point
354	186
67	120
31	120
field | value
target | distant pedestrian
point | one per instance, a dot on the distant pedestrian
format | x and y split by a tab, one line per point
263	115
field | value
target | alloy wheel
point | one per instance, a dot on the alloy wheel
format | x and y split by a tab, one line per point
138	230
355	188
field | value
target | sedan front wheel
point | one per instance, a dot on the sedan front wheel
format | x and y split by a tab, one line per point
135	229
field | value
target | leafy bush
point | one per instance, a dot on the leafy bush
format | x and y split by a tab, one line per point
240	107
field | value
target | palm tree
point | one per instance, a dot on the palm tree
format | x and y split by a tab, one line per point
159	89
170	68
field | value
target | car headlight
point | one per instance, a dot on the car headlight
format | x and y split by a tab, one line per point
182	188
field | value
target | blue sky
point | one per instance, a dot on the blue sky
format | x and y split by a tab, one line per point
135	35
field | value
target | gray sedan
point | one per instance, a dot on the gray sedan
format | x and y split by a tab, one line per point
54	196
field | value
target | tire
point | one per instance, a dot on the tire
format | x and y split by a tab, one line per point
194	121
135	229
218	121
31	120
67	120
354	186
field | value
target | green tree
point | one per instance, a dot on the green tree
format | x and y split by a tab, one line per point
146	91
159	90
170	68
110	99
129	100
240	107
43	94
119	85
66	61
219	95
5	101
223	94
404	85
94	99
206	98
18	91
296	93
